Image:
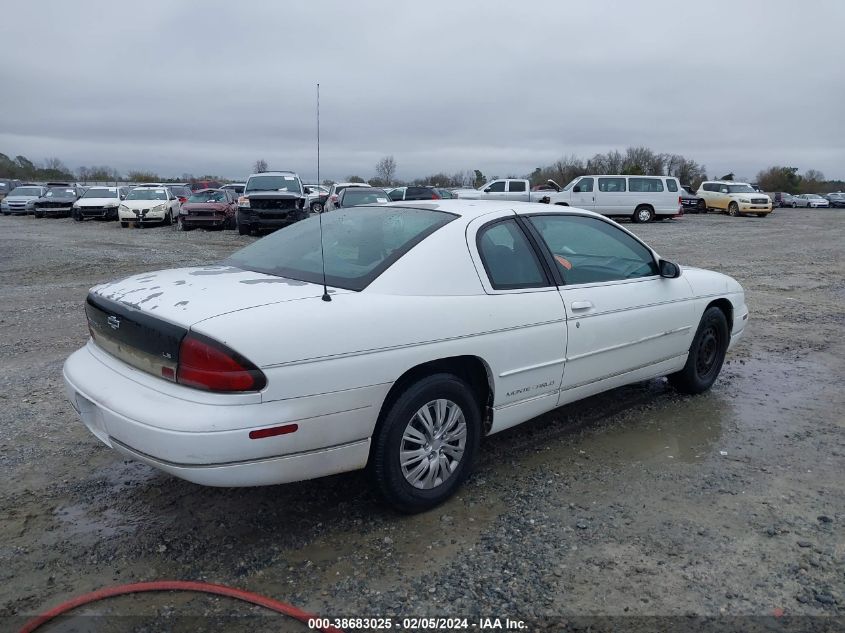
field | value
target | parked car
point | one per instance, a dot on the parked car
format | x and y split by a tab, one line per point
7	185
209	208
57	201
148	204
357	196
734	198
271	200
811	200
415	193
445	194
181	191
237	187
691	203
781	199
317	195
99	202
245	377
21	200
334	193
204	184
518	189
640	198
836	199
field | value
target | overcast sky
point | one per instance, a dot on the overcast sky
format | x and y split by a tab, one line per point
209	87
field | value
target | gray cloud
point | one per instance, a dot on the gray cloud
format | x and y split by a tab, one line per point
208	87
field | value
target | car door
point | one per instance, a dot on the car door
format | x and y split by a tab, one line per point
518	190
496	190
526	351
583	194
622	316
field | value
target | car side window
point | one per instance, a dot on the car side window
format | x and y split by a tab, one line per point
585	185
516	185
499	185
508	257
671	185
396	194
589	250
611	184
645	185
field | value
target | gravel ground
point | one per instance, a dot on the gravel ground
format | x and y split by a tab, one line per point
639	502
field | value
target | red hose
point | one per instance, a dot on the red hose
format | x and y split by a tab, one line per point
172	585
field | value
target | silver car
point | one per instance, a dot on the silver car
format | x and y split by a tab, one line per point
811	200
22	199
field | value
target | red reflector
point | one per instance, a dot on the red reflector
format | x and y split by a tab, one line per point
273	431
167	372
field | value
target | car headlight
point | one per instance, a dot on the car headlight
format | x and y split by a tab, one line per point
158	207
243	201
110	205
745	201
123	207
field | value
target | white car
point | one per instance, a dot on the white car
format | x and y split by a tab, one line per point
734	198
811	200
440	322
334	193
640	198
99	202
149	204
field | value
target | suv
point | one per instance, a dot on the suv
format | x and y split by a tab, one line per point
734	198
334	193
271	200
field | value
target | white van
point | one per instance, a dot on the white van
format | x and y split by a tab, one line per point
641	198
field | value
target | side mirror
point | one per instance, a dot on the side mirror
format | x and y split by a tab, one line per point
576	189
669	270
487	190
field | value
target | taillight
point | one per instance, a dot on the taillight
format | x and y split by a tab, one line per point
334	198
183	199
208	364
680	200
435	195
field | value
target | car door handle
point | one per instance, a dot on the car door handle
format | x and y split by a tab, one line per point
581	305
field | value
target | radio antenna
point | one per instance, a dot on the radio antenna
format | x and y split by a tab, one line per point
326	296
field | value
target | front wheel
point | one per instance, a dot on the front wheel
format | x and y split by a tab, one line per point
643	214
794	206
701	206
316	207
706	354
733	209
426	444
168	219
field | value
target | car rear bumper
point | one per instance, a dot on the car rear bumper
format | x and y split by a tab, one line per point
208	442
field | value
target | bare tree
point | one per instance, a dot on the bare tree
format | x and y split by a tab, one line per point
813	175
386	170
259	166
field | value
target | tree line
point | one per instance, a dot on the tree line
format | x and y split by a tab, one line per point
632	161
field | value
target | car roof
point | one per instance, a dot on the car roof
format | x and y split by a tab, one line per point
271	173
476	208
728	182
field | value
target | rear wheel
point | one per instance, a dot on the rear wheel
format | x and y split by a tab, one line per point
643	214
733	209
706	354
426	444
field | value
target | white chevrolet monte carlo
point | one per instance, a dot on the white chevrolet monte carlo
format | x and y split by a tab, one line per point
443	322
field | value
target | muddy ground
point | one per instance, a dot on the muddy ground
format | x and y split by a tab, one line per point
638	502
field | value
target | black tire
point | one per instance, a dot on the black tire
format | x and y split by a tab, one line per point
701	207
78	217
794	206
39	214
384	465
7	213
180	225
733	209
168	218
124	225
643	214
316	207
706	354
244	229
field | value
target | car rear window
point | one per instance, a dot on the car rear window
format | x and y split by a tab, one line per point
359	243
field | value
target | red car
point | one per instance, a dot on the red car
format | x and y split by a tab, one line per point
209	208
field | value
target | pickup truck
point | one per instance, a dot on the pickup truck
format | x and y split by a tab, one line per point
509	189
